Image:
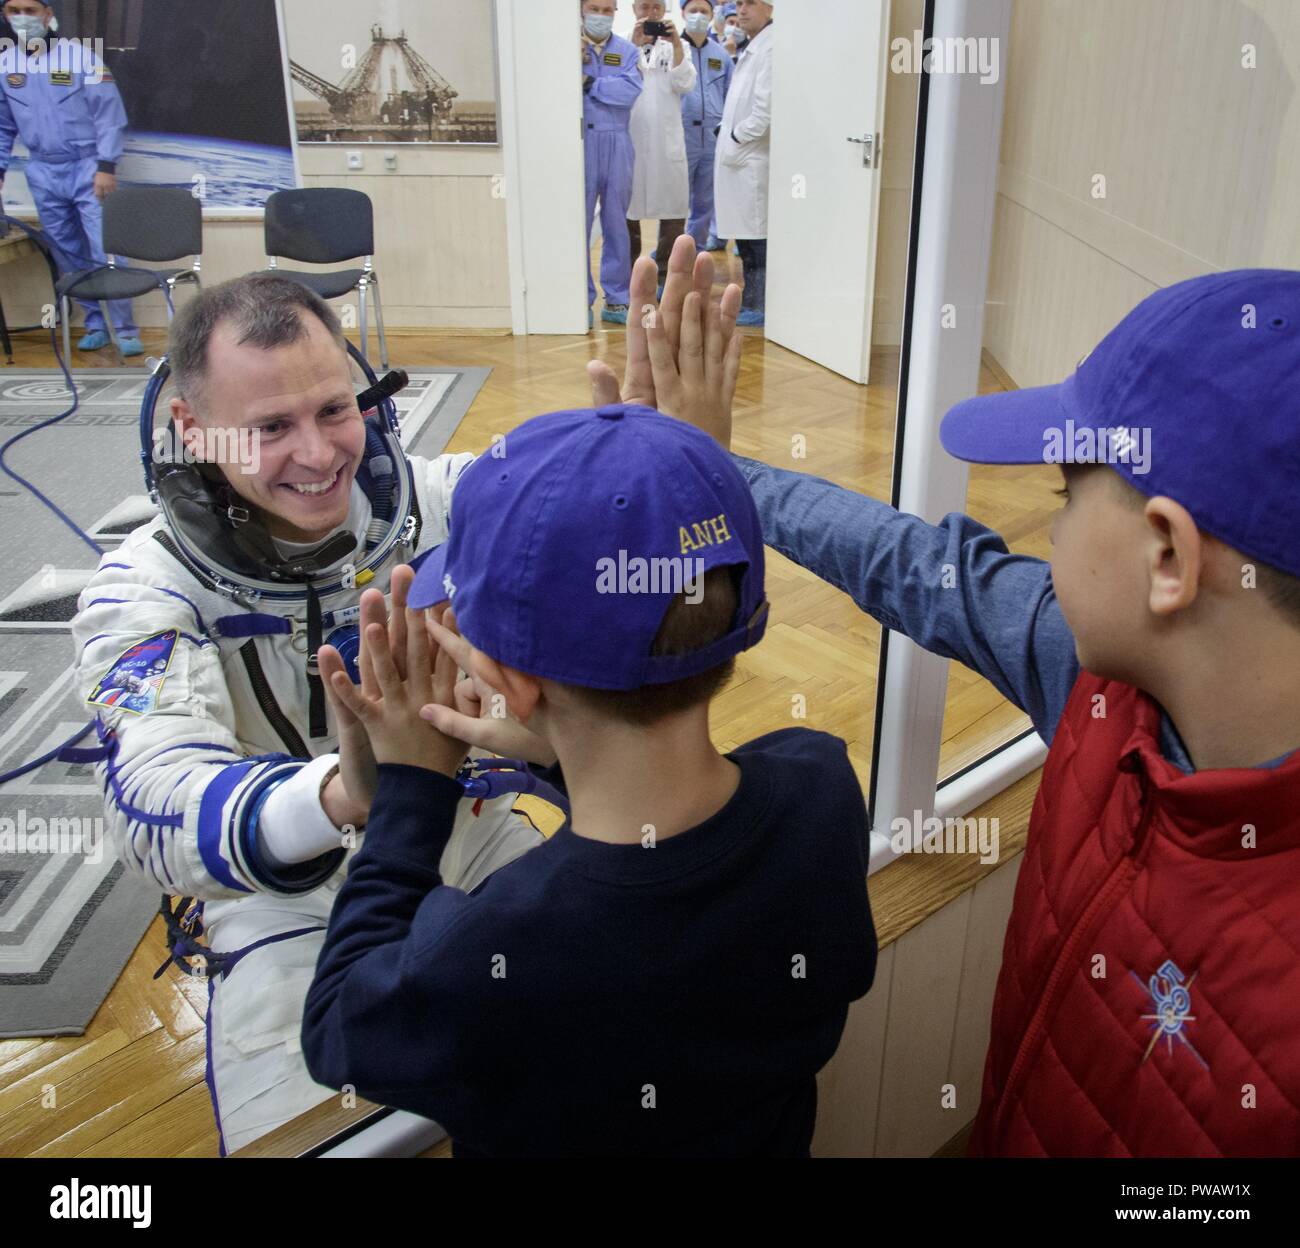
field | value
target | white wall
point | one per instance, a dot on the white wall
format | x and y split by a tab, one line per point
440	235
1195	148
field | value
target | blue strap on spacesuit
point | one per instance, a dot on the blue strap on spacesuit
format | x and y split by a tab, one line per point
185	931
251	624
488	778
258	624
109	745
184	925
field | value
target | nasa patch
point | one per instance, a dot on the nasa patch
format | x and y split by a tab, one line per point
16	80
135	680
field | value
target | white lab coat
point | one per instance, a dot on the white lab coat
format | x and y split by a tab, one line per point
661	183
744	163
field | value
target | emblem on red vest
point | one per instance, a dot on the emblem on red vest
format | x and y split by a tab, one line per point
1171	999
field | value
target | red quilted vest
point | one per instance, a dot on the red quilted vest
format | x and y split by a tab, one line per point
1149	997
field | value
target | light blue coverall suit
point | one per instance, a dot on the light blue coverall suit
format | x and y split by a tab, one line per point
701	116
73	127
610	159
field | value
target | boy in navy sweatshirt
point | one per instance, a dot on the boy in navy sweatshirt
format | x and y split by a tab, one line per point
666	975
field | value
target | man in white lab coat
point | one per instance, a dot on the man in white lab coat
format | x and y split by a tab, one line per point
661	180
744	155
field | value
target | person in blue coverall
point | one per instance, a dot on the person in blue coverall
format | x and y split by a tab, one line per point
702	114
611	83
733	36
61	101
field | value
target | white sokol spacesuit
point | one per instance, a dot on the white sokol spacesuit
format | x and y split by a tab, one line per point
199	682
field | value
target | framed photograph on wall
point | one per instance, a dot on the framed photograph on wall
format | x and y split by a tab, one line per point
205	91
393	71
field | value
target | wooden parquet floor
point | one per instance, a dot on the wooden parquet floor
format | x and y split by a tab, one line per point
133	1084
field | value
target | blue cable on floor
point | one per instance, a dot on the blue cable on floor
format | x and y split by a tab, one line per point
45	424
26	768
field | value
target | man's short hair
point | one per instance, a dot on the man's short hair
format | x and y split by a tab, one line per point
263	309
687	627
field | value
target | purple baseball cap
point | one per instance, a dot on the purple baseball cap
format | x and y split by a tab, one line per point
570	538
1195	395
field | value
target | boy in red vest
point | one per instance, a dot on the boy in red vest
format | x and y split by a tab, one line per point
1149	999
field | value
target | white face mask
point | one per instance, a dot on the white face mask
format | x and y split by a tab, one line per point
734	32
697	23
28	27
598	25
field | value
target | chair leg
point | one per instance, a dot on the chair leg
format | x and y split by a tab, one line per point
112	331
365	330
4	337
379	324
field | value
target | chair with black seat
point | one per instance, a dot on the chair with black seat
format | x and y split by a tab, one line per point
153	223
327	225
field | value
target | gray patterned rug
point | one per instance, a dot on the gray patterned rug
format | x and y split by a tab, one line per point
70	916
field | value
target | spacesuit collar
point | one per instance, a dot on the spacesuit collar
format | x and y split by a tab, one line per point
356	524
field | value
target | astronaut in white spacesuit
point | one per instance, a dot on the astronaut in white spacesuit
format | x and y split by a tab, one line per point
196	644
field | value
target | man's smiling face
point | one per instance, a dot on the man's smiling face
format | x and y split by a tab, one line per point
298	403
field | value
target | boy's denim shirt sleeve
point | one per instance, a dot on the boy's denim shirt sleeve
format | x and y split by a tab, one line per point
953	588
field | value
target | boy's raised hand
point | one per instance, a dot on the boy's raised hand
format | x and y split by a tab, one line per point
688	274
696	381
374	610
389	700
479	716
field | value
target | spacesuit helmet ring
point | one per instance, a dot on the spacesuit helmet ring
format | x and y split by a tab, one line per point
225	540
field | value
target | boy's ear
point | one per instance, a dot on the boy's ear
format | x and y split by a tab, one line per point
521	691
1175	555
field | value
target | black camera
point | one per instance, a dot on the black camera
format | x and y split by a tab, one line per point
657	30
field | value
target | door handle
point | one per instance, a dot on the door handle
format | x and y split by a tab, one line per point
870	149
